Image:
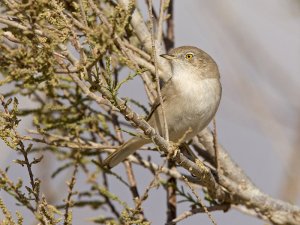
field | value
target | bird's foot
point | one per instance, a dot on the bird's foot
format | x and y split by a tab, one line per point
173	150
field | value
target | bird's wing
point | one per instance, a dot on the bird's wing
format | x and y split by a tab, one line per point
168	92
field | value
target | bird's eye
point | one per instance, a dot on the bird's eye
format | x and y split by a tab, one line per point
189	55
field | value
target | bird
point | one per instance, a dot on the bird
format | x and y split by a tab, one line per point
190	97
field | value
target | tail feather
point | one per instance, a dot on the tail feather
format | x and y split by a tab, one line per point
124	151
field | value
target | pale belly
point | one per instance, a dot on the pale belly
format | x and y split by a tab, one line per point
191	119
190	112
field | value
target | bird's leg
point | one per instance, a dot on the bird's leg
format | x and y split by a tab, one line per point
188	152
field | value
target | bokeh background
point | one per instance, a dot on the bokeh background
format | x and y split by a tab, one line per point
257	47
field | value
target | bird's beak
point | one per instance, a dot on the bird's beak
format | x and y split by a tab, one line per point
168	56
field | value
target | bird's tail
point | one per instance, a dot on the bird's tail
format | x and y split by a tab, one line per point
124	151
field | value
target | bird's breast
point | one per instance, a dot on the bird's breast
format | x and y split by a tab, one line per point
195	106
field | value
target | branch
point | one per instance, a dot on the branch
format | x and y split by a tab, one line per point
139	26
144	35
205	176
244	192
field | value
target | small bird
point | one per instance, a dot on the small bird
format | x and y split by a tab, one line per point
191	98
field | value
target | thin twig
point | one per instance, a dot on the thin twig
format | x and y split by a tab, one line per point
8	22
159	34
83	13
151	185
166	132
20	197
34	182
200	201
128	167
172	182
171	195
87	91
106	198
133	187
137	50
216	147
192	212
69	203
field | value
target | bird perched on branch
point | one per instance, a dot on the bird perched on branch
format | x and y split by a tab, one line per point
190	97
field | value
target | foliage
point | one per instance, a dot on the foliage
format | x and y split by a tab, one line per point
42	43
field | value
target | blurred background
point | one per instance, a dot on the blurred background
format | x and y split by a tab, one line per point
257	47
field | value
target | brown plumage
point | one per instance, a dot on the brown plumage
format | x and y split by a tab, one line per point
191	98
